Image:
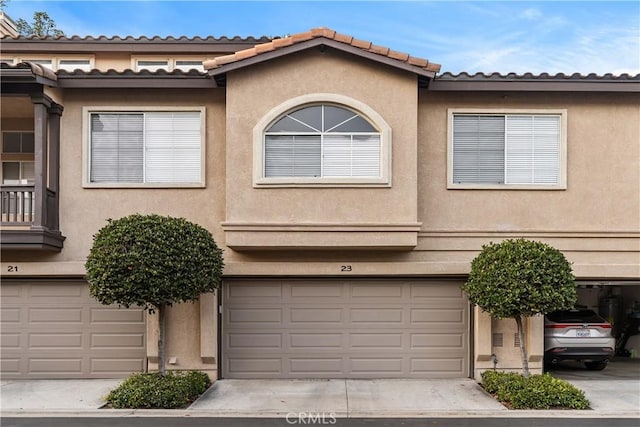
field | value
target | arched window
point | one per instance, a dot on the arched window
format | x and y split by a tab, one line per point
322	140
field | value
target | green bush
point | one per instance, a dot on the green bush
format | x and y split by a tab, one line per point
154	390
535	392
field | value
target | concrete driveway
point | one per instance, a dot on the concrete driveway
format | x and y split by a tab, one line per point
355	398
616	388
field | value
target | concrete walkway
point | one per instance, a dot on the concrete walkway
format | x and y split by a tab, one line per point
616	396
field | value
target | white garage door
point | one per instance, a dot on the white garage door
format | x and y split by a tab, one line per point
54	329
345	329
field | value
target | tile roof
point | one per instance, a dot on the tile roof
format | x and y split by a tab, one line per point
464	76
129	39
36	69
326	33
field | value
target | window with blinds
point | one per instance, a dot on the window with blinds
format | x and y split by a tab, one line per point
146	147
322	141
506	149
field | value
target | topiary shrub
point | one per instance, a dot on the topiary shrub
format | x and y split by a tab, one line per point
520	278
153	261
155	391
534	392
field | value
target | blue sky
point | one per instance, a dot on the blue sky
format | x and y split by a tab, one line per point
486	36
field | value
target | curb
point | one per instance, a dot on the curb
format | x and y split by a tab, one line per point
191	413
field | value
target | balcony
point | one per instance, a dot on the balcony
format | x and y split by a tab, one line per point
29	197
24	226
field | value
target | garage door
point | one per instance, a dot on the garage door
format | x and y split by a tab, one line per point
53	329
338	329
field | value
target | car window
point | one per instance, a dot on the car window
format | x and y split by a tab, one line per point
575	316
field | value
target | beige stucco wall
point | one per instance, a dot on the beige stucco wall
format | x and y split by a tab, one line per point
253	92
595	221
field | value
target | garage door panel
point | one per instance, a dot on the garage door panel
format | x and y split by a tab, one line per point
438	367
376	291
10	341
254	315
38	341
249	367
55	315
315	315
255	341
315	341
10	366
11	291
449	341
432	315
116	314
346	329
116	365
53	365
120	341
375	366
370	341
57	330
36	293
254	292
312	366
436	290
9	315
389	316
315	290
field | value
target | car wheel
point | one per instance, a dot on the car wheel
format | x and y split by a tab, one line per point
596	366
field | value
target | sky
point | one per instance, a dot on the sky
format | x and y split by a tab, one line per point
472	36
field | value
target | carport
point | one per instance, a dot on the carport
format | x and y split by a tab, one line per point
616	301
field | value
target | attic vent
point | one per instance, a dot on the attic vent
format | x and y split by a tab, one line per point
516	340
496	340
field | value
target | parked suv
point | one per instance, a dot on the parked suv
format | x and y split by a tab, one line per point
580	335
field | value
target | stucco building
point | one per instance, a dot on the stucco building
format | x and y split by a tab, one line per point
349	185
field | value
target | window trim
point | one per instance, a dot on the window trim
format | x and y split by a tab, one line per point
562	113
86	145
55	60
171	62
259	181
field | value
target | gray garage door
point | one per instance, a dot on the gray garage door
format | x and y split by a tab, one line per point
345	329
53	329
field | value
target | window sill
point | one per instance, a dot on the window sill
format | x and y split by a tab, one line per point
320	182
149	185
555	187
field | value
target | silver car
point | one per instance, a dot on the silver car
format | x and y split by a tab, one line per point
580	335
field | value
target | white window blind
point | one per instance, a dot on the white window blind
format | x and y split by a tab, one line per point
322	141
172	147
478	149
154	147
117	147
533	149
506	149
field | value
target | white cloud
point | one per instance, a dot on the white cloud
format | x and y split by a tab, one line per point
531	14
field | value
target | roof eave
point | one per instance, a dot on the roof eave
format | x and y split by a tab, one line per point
535	86
25	75
133	81
318	42
209	45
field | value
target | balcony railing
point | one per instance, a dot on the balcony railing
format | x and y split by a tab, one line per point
17	204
